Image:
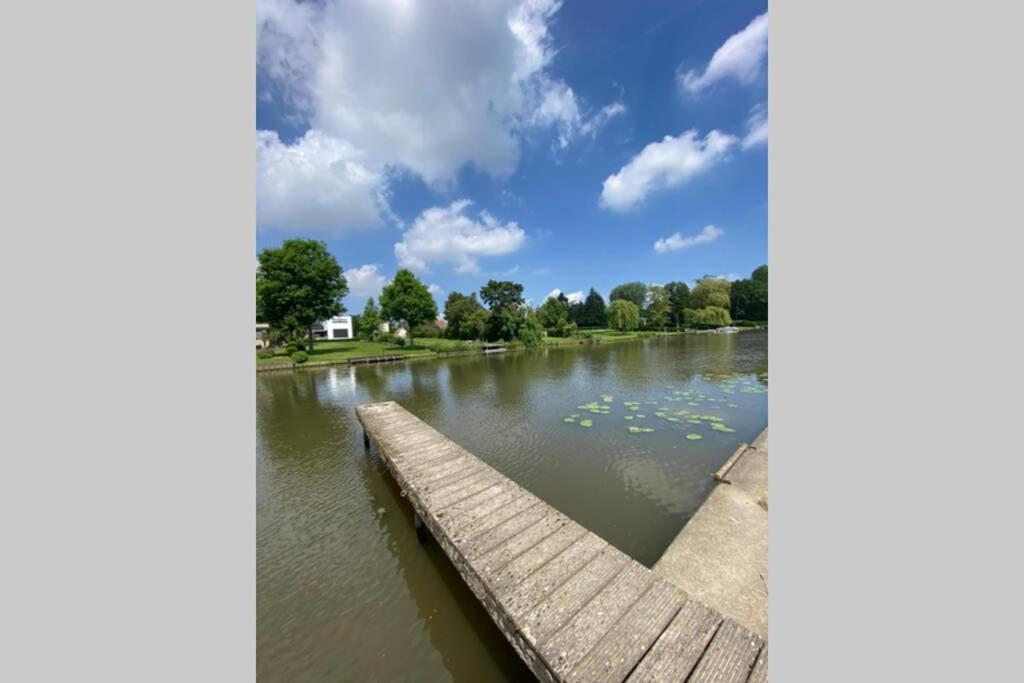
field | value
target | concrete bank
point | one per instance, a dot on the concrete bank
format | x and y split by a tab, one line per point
721	556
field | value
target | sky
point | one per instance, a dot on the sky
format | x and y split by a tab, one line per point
562	145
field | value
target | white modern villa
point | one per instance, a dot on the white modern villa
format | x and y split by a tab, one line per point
338	327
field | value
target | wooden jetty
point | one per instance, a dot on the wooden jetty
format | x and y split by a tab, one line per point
574	607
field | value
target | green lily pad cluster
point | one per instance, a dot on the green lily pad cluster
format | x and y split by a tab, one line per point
633	429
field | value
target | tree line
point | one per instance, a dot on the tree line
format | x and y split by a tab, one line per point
301	283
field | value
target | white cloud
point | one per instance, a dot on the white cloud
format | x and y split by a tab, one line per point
665	164
445	234
740	57
365	280
435	289
593	125
676	241
573	297
731	277
316	184
757	128
428	87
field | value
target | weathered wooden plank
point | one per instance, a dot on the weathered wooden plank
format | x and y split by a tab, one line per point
567	647
533	559
438	499
524	595
490	562
484	520
565	601
488	539
619	650
675	653
760	672
729	657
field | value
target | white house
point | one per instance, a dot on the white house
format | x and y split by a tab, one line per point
262	329
338	327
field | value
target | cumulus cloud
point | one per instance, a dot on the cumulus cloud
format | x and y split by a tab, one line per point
425	87
445	234
317	183
757	128
435	289
365	280
573	297
741	58
676	241
665	164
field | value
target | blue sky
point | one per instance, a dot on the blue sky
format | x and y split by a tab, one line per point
561	145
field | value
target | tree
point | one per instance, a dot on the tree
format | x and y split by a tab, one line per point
709	316
749	298
630	291
623	315
678	298
505	301
297	285
502	294
658	307
711	291
407	299
553	316
463	314
593	313
531	332
369	321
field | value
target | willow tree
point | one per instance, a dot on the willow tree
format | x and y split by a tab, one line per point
623	315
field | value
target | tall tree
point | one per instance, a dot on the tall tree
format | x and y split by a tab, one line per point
623	315
464	315
678	298
407	299
502	294
711	291
553	316
299	284
630	291
505	301
749	298
658	307
593	313
369	321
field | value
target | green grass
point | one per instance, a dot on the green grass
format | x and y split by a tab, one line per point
350	350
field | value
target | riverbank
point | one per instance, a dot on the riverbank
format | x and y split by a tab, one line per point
329	353
721	556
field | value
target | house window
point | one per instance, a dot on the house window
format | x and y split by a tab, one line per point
340	334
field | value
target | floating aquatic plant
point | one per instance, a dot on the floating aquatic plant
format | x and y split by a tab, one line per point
637	430
607	398
627	417
732	405
568	419
586	423
693	437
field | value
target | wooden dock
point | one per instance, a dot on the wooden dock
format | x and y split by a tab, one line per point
574	607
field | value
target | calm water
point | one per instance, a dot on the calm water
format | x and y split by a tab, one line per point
345	591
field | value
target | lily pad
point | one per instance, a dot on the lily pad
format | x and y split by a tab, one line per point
694	437
607	398
634	407
627	417
732	405
637	430
586	423
568	419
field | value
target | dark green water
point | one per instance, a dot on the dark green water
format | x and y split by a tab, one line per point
345	592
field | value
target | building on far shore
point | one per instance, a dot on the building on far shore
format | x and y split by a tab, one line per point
441	324
338	327
262	335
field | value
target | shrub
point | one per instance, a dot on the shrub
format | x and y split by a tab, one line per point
265	353
300	357
427	330
398	341
291	348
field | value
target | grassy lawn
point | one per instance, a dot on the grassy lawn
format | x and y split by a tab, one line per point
348	350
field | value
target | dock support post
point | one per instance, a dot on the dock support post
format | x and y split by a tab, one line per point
421	528
366	440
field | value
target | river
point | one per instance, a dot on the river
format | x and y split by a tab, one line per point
344	589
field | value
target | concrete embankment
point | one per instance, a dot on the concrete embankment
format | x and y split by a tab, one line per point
721	556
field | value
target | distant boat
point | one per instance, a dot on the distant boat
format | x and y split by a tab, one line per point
727	330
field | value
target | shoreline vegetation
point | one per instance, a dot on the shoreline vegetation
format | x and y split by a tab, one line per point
359	352
301	283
